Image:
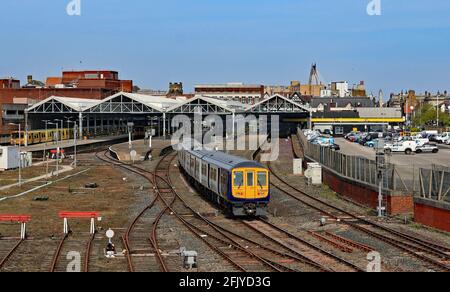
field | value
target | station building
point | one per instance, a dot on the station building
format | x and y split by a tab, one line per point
112	115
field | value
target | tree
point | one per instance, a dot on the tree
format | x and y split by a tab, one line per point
427	116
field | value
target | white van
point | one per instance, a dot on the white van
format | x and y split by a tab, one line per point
408	147
443	138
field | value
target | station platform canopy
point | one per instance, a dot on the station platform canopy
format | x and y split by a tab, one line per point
207	105
131	103
277	104
58	104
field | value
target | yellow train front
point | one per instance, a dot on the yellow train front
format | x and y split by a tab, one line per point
239	185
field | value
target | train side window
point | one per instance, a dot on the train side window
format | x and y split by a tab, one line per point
213	174
238	179
204	170
223	182
250	179
262	179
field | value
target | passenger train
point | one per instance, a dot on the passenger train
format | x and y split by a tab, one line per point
51	135
40	136
239	185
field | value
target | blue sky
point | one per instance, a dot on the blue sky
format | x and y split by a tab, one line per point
155	42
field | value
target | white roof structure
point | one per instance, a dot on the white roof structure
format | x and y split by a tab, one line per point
131	103
123	102
206	105
278	104
58	104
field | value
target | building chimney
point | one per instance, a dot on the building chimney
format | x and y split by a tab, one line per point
29	79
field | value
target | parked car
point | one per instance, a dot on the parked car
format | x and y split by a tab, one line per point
422	141
428	147
352	137
372	143
327	132
433	138
335	147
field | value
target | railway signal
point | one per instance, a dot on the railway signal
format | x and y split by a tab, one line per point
110	248
22	219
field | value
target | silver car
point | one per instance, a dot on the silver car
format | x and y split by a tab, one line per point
427	147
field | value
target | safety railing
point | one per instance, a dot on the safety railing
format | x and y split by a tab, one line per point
357	168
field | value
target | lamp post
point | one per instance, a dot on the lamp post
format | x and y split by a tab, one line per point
437	110
75	129
45	157
69	121
45	144
20	153
130	132
57	146
413	114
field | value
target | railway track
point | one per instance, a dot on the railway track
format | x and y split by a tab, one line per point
141	244
280	246
434	255
313	252
67	244
234	253
9	254
241	258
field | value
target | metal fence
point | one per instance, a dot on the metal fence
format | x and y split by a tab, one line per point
435	183
357	168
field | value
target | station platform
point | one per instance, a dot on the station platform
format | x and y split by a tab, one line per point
142	149
68	145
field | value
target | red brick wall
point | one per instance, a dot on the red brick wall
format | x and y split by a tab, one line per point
7	95
354	192
432	216
396	204
400	204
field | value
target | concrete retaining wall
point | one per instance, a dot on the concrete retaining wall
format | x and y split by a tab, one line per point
432	213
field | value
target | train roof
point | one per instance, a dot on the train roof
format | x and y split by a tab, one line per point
224	160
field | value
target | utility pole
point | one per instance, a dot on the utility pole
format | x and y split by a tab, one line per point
75	143
381	167
57	147
130	131
75	130
20	158
45	157
20	151
437	110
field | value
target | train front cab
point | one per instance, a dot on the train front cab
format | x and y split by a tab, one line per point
250	186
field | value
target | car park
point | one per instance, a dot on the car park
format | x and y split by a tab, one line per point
427	148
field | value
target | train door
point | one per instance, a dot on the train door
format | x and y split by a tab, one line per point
250	182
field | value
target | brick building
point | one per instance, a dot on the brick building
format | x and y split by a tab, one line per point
79	84
248	94
90	79
9	83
